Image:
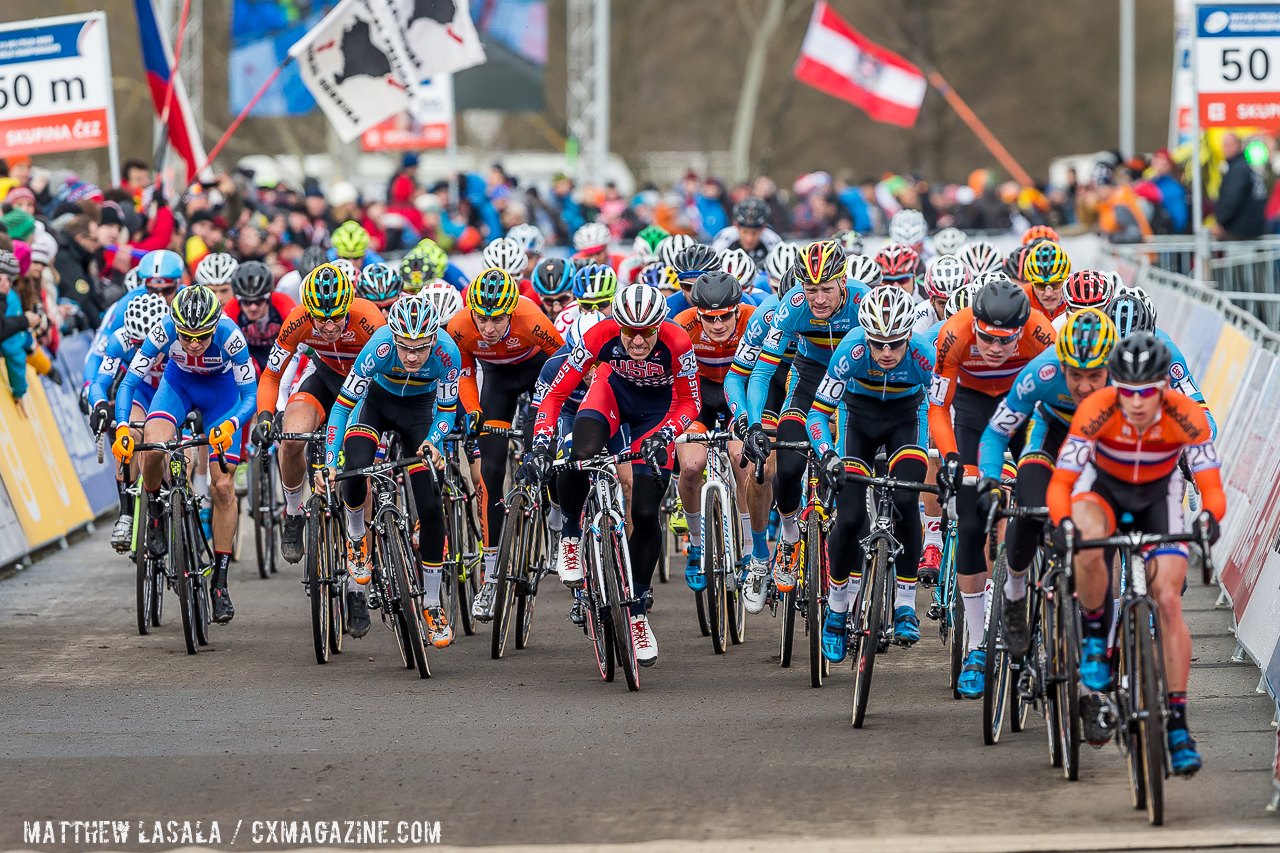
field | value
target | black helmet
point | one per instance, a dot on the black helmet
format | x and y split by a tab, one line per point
698	258
1139	359
1013	263
252	280
1130	315
715	291
1001	304
312	257
751	213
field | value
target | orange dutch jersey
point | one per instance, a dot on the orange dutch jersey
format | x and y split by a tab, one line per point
1103	437
714	358
530	332
297	331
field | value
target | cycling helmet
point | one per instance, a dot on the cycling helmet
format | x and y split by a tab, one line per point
416	269
592	237
780	259
898	261
581	324
1046	263
215	268
379	283
944	275
552	277
751	213
716	291
980	256
737	263
908	227
862	269
671	246
131	281
413	317
348	269
312	257
850	242
493	293
1040	232
1015	261
595	283
1140	359
1000	306
887	313
1086	340
506	254
436	256
162	264
142	313
648	240
949	240
252	281
529	238
1087	289
960	299
790	281
327	293
350	240
695	260
661	276
196	311
819	262
444	296
639	306
1130	315
1136	291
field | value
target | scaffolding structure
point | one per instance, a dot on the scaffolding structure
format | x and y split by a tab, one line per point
588	92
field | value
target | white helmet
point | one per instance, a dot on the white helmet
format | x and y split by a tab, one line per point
863	269
960	299
944	275
142	313
593	235
949	240
414	316
216	269
131	281
737	263
887	313
348	268
908	227
444	296
639	305
980	256
529	237
584	321
1119	289
506	253
671	246
781	258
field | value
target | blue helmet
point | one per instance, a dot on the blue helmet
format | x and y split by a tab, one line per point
553	277
160	263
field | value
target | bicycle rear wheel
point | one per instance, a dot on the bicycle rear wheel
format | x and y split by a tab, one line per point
787	639
318	579
403	565
183	569
737	608
713	569
461	543
256	497
815	590
1150	698
871	604
1050	665
996	674
510	566
1067	682
956	637
144	575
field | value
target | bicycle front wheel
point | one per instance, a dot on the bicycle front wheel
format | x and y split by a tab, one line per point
183	570
714	558
142	559
1150	709
995	699
257	498
815	591
538	553
787	633
317	579
403	566
617	591
871	606
510	565
1067	681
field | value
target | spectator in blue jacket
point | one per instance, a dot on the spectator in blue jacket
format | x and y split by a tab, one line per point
14	348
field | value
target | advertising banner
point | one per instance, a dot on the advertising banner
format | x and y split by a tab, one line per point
98	480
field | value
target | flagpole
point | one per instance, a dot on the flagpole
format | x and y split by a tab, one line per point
244	113
168	91
979	129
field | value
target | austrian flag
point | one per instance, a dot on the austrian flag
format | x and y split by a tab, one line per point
840	61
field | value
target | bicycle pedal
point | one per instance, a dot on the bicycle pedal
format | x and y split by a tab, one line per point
375	600
934	612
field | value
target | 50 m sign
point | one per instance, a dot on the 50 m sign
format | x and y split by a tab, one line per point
1237	64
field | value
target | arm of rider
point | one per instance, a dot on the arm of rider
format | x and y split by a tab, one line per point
100	419
833	470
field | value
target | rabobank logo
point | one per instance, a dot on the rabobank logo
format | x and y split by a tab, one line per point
1216	22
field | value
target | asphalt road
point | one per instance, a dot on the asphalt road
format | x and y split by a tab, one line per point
97	722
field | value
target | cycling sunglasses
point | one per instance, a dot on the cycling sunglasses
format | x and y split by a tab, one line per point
886	346
163	286
194	339
635	332
558	301
718	317
414	350
1000	340
247	302
1142	391
599	305
1048	285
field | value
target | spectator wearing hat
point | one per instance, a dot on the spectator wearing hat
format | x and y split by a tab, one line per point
13	349
77	267
159	236
21	198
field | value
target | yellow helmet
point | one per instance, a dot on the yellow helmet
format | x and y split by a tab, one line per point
1046	262
493	293
1086	340
327	292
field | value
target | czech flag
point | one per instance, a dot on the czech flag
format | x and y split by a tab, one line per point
157	60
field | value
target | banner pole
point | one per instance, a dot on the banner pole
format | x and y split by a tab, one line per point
244	113
979	129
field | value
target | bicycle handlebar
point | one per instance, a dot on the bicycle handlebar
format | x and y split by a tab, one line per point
597	462
381	468
176	445
1135	540
715	436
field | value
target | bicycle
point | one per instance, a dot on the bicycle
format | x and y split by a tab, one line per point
393	587
721	600
946	607
1141	700
264	509
324	568
460	574
607	593
814	577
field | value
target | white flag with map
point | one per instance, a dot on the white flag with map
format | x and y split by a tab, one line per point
439	35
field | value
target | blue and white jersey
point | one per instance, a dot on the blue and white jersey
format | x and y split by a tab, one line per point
1180	379
112	322
744	358
1040	390
853	370
379	363
117	357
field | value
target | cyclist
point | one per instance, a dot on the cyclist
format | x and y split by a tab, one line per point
879	371
334	325
980	351
738	264
1118	468
780	259
1084	289
140	317
511	338
749	232
907	227
1039	232
672	246
507	254
350	241
160	271
530	239
948	241
552	286
900	265
290	284
816	318
380	284
215	272
689	264
207	370
945	274
1045	268
1048	389
646	385
427	262
850	242
591	245
405	380
594	286
257	309
980	257
715	324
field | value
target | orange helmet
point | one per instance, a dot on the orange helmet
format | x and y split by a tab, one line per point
1040	232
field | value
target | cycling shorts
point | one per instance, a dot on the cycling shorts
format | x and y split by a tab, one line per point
1154	507
715	406
215	396
621	405
318	388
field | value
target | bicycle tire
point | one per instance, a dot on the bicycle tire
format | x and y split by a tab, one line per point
597	628
455	563
957	636
996	673
1020	706
815	577
1128	735
337	574
1068	684
1151	706
737	610
664	545
871	604
511	552
317	579
534	571
619	618
402	566
202	547
255	497
700	605
178	553
713	569
144	575
787	640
